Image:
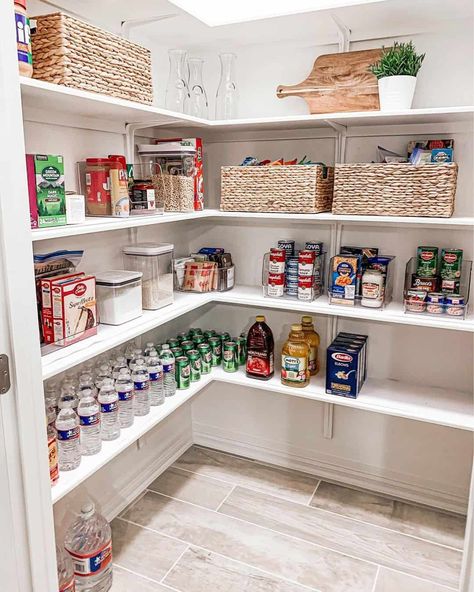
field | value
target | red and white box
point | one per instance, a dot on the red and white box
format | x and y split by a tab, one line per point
69	312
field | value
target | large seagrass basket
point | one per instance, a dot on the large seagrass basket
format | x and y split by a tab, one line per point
74	53
399	189
288	189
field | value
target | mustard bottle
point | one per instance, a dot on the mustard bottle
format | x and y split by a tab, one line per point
295	359
313	340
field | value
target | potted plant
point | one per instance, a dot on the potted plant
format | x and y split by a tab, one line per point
396	74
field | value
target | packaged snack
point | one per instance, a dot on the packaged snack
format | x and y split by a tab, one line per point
344	279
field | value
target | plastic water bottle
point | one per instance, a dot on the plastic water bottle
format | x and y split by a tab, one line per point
103	372
119	365
89	543
68	393
129	352
141	388
137	355
155	371
169	380
69	442
109	420
89	420
86	383
149	347
65	570
124	388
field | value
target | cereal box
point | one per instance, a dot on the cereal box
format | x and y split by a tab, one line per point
344	271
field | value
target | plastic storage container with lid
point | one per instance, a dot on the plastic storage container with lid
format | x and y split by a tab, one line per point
154	260
119	296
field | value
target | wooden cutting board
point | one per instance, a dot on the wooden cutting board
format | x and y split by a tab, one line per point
339	82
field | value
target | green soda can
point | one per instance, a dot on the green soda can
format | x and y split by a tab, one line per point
209	333
187	345
173	342
230	360
177	351
183	372
236	340
224	337
216	351
243	349
206	357
197	339
194	358
195	331
182	337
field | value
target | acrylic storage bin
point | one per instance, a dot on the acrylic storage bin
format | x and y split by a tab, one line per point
154	261
119	296
202	276
308	287
370	286
427	297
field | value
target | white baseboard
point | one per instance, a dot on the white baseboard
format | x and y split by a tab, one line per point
332	469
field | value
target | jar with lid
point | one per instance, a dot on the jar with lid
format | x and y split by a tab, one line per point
372	288
97	183
23	39
154	261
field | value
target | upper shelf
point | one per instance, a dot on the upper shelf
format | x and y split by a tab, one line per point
60	100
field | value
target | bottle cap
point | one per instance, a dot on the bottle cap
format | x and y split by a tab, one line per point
296	327
306	320
87	509
260	319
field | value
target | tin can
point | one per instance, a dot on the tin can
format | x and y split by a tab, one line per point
209	333
288	245
230	360
455	305
187	345
451	264
450	286
435	303
242	349
197	339
306	260
194	358
315	246
183	371
276	284
305	288
276	262
195	331
429	284
224	336
216	351
205	352
173	342
182	337
177	351
427	261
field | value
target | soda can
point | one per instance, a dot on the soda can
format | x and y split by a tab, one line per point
243	349
236	340
195	331
216	351
224	336
206	357
197	339
194	358
315	246
230	361
288	245
173	342
209	333
187	345
183	371
182	337
177	351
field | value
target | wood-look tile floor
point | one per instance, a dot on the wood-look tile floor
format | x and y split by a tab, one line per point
214	522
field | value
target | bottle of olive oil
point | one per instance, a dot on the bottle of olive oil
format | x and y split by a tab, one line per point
295	359
313	340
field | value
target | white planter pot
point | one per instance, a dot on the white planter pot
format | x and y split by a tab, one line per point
396	92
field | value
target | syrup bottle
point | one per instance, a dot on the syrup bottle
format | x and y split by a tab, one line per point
260	350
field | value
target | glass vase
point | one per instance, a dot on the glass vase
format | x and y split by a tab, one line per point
177	88
227	96
196	102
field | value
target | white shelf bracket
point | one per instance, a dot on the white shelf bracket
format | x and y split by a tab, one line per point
343	34
129	24
341	140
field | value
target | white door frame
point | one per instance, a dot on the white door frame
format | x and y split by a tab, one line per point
22	408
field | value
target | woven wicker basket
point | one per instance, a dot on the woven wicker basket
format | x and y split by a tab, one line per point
395	189
73	53
294	189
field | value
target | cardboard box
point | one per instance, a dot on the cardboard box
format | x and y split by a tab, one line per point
344	370
46	190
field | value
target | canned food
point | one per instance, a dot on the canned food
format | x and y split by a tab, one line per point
293	291
455	305
427	261
306	260
216	351
450	286
276	283
177	351
451	264
173	342
230	360
315	246
194	358
288	245
436	297
428	284
305	288
243	349
435	303
209	333
183	371
187	345
276	262
454	299
415	301
205	352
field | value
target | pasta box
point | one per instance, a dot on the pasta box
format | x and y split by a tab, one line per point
344	370
343	280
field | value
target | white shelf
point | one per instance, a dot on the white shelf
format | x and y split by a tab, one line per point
389	397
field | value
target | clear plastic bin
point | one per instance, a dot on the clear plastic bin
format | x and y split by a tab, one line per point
119	296
202	276
309	287
154	261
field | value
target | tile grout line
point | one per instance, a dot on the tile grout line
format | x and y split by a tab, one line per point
175	563
193	545
374	587
324	511
225	499
313	494
444	586
148	579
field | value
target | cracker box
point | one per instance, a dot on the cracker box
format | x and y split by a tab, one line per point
343	287
69	311
46	190
344	369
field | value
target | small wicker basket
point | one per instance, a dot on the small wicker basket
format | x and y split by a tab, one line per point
400	189
74	53
291	189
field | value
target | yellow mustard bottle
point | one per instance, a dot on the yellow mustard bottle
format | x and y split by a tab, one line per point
295	359
313	340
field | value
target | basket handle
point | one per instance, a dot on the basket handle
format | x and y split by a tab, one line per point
325	169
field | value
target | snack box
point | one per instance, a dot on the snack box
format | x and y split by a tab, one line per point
69	311
343	280
46	189
343	370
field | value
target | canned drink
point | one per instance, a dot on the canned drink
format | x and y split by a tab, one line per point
216	350
306	260
242	349
427	261
276	262
276	283
288	245
451	264
206	357
173	342
177	351
194	358
197	339
187	345
224	336
195	331
209	333
182	337
183	371
230	360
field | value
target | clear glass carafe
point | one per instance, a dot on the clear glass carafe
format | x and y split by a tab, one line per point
196	102
177	88
227	96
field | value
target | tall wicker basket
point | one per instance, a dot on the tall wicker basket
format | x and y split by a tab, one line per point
288	189
395	189
74	53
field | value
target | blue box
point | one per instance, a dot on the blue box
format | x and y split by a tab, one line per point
344	370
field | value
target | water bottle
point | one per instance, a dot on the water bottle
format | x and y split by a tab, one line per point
119	365
137	355
51	395
86	383
109	420
141	388
155	371
124	388
89	420
69	443
169	380
68	393
103	372
149	347
65	569
89	543
129	352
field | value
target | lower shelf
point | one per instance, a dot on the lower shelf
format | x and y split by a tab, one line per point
388	397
